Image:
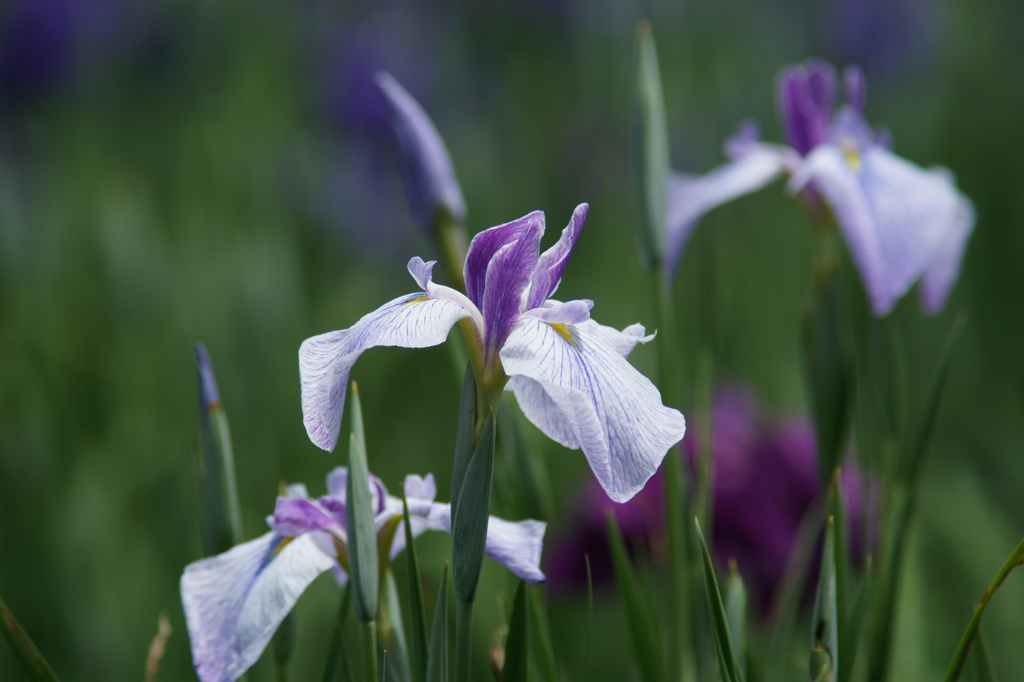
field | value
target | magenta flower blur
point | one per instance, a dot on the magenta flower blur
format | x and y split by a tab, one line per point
235	601
902	223
569	373
766	478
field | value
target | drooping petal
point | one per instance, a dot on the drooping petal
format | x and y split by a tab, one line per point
235	601
426	167
942	271
612	411
552	262
691	196
413	321
893	214
623	342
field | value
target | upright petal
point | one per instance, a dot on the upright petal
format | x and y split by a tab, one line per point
606	407
412	321
552	262
806	95
487	243
427	173
691	196
942	271
235	601
508	275
893	214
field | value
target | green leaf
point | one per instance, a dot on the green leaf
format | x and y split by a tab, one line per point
827	365
648	648
855	627
528	487
728	661
540	637
336	653
824	658
736	611
362	536
517	660
218	493
32	662
470	518
417	611
437	660
283	644
464	436
651	151
840	563
392	634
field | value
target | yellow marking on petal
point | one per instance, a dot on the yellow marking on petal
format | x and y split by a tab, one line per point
284	543
342	550
417	300
564	332
852	157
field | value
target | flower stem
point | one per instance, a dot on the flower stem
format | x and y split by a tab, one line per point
956	667
370	651
451	242
463	641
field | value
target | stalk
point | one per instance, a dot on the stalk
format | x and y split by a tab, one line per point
463	641
369	639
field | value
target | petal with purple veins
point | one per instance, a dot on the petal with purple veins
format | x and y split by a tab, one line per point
551	264
485	245
612	412
508	275
235	601
412	321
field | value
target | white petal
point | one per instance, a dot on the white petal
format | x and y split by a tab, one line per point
893	214
941	273
412	321
691	196
613	412
517	545
235	601
623	342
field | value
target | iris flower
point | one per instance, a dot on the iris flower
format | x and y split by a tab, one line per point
569	373
235	601
902	223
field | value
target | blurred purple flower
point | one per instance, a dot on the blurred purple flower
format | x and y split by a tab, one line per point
901	222
766	479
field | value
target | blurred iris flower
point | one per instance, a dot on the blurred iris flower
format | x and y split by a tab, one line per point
766	480
901	222
569	373
235	601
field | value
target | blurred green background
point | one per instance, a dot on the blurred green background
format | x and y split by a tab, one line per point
183	171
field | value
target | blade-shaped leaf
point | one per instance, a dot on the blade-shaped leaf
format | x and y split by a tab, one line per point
826	362
396	646
728	661
858	611
648	648
840	562
651	150
517	659
417	611
283	644
32	662
336	653
824	658
542	651
362	536
218	493
736	611
464	441
437	660
470	519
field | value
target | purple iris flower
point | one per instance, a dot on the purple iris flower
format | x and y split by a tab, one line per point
902	223
235	601
569	373
766	479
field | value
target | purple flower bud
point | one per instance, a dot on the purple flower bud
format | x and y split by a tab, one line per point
807	95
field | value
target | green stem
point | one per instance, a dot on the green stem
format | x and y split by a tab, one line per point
451	241
369	638
960	657
463	641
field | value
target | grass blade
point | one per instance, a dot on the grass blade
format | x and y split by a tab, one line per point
517	651
824	658
728	661
336	653
437	659
417	612
32	662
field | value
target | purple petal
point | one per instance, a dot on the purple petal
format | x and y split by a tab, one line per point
235	601
806	97
487	243
856	88
607	408
208	394
412	321
293	517
552	262
337	489
421	271
427	173
942	271
691	196
508	275
893	214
